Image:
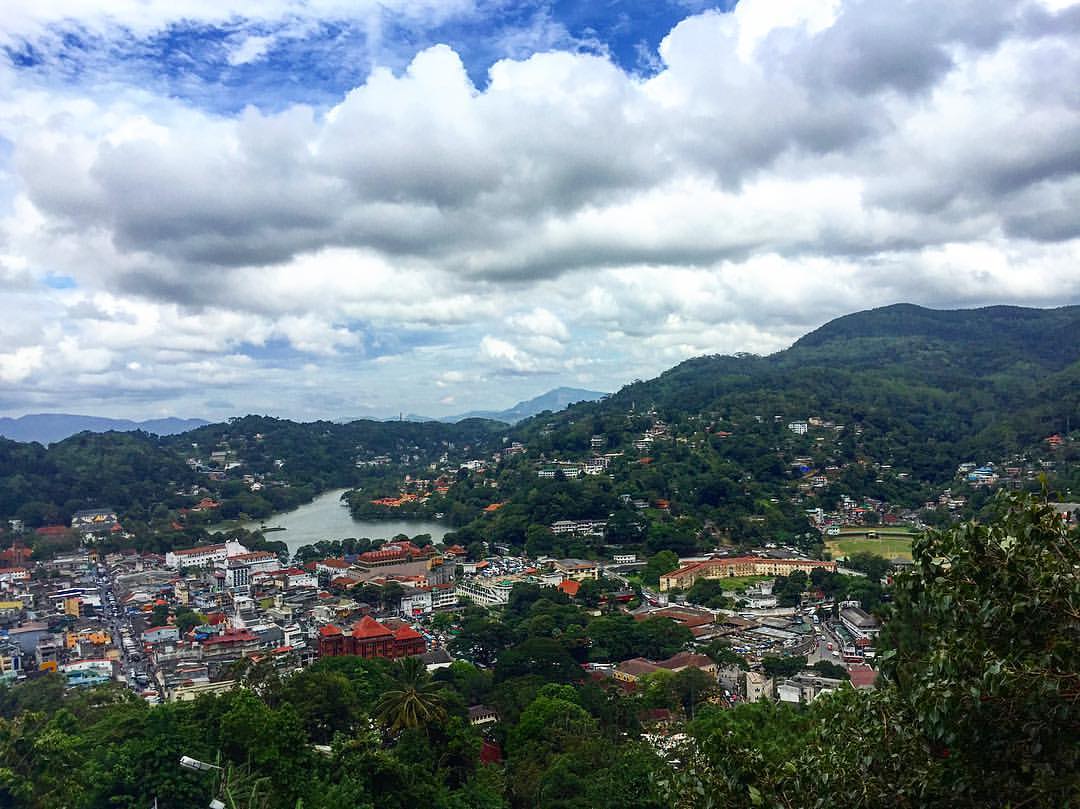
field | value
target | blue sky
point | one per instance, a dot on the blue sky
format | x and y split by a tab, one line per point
318	208
317	61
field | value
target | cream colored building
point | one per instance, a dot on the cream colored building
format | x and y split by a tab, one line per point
737	566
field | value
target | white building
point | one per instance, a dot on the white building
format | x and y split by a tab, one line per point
415	601
332	567
485	592
443	596
577	569
257	561
584	527
204	555
11	575
625	558
798	427
859	623
595	466
237	575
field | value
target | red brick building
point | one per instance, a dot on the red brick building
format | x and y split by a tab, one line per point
369	638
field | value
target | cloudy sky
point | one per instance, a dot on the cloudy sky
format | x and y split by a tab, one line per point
326	208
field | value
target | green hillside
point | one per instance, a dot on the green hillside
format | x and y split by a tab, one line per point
896	398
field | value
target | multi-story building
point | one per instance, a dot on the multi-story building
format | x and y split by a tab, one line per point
443	596
584	527
396	553
368	638
11	660
237	575
257	561
331	568
859	623
415	601
12	577
577	569
204	556
95	521
485	592
734	566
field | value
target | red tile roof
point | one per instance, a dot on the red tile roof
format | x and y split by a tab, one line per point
406	633
199	550
368	627
570	587
329	630
862	676
240	636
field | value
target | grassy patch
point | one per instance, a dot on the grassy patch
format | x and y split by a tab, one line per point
888	548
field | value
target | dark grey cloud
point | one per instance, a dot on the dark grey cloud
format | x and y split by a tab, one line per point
905	46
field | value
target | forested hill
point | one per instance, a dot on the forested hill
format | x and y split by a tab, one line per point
907	394
972	381
148	479
998	333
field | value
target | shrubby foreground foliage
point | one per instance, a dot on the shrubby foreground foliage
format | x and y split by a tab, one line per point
978	705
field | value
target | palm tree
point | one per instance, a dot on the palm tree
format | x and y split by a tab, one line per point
414	701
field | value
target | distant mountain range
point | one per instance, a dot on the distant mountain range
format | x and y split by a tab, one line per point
48	428
553	400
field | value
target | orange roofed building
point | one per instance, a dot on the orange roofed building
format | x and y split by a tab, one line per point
369	638
396	553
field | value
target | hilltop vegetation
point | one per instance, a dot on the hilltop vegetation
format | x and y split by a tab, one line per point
900	397
897	397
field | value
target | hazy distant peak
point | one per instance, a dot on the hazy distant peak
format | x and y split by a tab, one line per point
48	428
553	400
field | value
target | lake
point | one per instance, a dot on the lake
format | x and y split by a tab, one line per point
326	517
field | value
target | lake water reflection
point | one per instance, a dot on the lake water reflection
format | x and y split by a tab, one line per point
326	517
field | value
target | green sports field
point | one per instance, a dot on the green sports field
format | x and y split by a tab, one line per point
889	548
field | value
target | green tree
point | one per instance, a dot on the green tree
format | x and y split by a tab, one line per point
414	700
326	702
869	563
693	687
722	654
391	595
826	668
659	564
985	643
159	616
543	657
782	666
